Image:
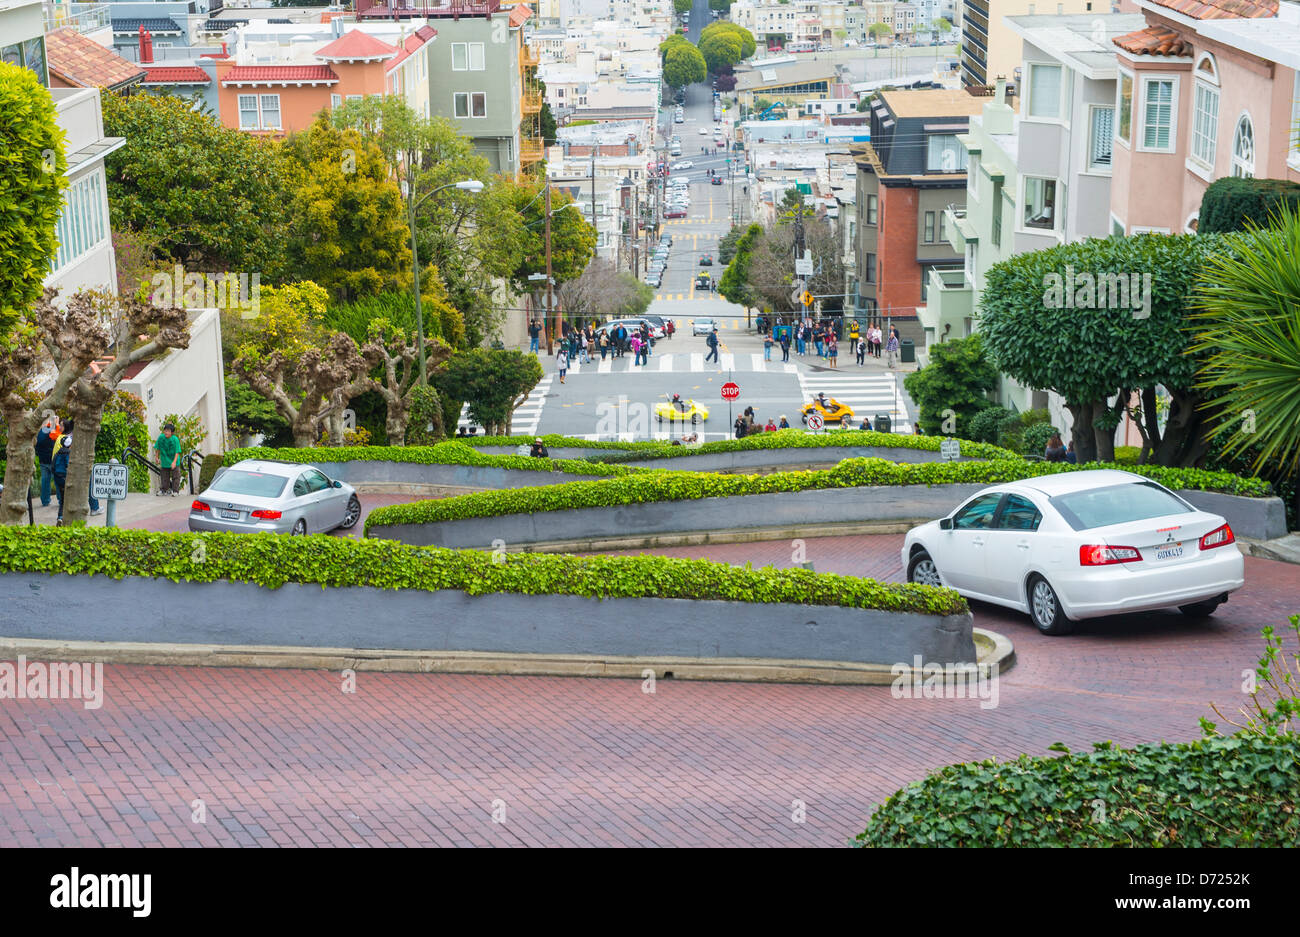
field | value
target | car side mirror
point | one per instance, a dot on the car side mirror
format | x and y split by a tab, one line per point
336	483
945	523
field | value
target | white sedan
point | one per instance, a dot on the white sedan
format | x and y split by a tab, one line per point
704	131
684	164
1079	545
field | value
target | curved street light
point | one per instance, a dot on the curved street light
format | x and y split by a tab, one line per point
466	185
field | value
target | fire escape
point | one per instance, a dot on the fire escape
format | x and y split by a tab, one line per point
531	146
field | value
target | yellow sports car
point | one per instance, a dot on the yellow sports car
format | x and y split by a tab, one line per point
683	410
831	410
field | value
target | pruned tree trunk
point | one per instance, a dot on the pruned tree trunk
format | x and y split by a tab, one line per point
19	470
86	407
1085	440
1184	442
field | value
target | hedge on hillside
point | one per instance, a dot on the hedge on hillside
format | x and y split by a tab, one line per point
444	453
1216	792
782	439
662	485
1229	203
271	560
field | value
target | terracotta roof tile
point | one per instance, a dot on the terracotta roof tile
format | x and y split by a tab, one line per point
519	14
1154	40
1221	9
175	75
84	63
355	44
279	74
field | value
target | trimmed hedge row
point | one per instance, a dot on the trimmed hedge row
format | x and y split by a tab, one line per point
662	485
444	453
270	560
782	439
1226	791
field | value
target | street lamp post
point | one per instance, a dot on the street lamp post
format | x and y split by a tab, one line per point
468	185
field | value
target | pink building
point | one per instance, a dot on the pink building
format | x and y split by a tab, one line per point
1208	89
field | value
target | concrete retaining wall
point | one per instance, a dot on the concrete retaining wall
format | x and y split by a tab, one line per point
96	608
751	460
1257	518
376	475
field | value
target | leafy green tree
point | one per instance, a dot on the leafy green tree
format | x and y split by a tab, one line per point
573	240
349	232
953	387
1120	332
727	244
722	6
400	372
720	50
682	6
734	284
248	413
723	28
1248	330
210	196
683	66
494	382
32	165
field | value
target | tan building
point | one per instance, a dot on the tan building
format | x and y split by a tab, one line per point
990	49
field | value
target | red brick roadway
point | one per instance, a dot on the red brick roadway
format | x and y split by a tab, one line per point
285	757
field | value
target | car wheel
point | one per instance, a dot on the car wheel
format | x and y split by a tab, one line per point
922	570
299	528
804	417
1045	608
659	418
1200	609
695	418
353	515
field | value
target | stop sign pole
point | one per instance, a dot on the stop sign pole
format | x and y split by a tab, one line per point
730	391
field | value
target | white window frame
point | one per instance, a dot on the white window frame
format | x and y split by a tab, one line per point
262	111
455	98
1237	162
1293	153
1059	116
1145	229
463	49
336	100
472	96
1095	167
1174	91
1203	144
1119	105
1058	189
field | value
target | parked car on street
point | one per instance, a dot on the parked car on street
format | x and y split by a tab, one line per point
1079	545
675	213
257	495
703	326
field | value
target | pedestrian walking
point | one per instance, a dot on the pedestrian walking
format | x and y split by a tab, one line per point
833	351
45	456
712	342
604	345
168	447
854	338
861	351
534	336
878	338
818	340
785	345
891	349
59	470
767	347
562	363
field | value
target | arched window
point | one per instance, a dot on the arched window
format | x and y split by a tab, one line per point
1243	148
1205	117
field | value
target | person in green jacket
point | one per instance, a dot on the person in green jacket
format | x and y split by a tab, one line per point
168	447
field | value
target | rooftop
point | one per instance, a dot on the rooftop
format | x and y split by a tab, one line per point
794	73
84	63
1154	40
1082	42
356	46
932	102
1274	40
1220	9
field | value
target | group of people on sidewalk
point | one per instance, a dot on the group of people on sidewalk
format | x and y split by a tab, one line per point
579	345
54	448
747	424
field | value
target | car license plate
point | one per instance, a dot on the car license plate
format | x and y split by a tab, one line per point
230	515
1170	552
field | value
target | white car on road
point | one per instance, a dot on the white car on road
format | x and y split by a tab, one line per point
702	326
1079	545
684	164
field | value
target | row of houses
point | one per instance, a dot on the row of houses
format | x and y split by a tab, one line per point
831	22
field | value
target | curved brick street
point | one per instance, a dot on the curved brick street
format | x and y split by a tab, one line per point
284	757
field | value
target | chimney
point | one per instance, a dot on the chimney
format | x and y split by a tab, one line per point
146	46
998	115
336	27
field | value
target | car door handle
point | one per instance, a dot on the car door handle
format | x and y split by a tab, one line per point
1023	544
978	542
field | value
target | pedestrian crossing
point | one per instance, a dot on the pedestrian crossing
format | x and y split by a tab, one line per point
865	394
682	363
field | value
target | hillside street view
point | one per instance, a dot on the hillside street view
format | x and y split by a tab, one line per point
651	423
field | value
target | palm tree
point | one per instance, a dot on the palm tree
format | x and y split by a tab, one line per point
1249	328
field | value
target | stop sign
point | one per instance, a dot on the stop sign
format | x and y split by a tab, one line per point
730	390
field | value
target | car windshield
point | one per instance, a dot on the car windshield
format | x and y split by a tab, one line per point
243	482
1118	504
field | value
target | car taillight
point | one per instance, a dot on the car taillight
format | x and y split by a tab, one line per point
1096	554
200	506
1219	537
265	515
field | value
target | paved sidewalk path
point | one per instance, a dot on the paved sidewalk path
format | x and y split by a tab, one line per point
286	757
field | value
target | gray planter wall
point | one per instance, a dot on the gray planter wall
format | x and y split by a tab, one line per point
1258	518
749	460
379	474
96	608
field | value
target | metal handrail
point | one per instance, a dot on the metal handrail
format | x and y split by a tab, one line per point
188	459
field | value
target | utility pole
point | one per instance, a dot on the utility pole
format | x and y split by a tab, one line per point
594	223
550	293
636	228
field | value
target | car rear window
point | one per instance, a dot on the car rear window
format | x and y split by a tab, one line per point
244	482
1118	504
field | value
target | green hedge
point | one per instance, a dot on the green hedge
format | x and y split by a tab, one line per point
1215	792
444	453
661	485
1229	203
270	560
782	439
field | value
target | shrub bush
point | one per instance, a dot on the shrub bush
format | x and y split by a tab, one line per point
662	485
1035	437
444	453
1127	455
1215	792
985	424
1230	202
271	561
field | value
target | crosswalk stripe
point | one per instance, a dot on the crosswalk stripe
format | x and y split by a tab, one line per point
757	359
606	365
665	362
697	361
726	361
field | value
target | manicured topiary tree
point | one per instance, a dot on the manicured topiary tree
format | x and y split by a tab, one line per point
1233	203
1097	321
953	387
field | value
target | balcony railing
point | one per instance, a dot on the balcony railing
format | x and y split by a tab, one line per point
528	58
530	150
532	101
950	277
83	17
